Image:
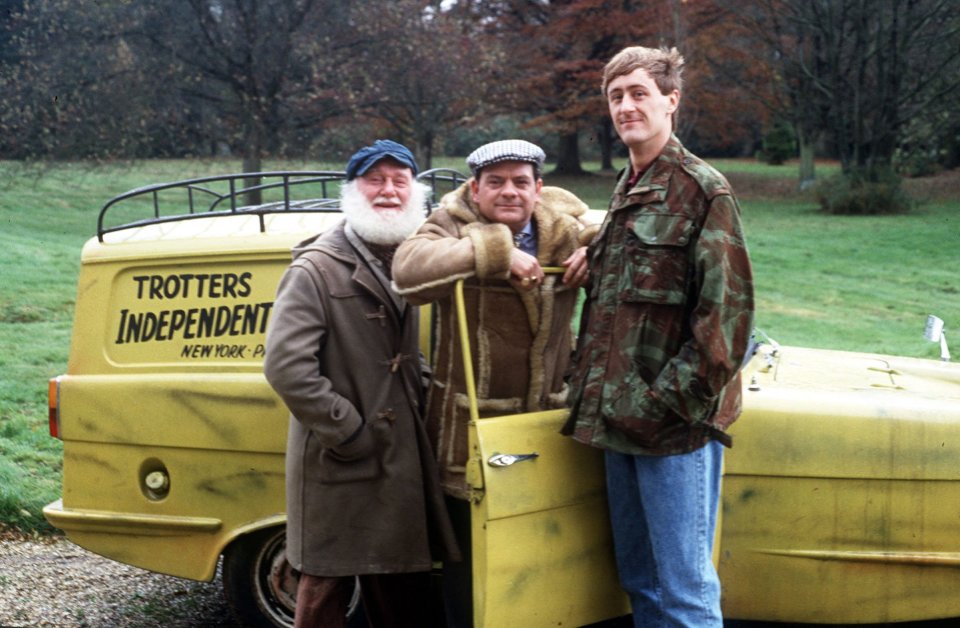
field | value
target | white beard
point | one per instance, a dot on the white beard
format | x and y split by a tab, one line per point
383	227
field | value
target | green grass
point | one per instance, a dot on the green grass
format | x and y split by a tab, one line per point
856	283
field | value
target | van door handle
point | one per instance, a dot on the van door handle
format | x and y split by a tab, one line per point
505	460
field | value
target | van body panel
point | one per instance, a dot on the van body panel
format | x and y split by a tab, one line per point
840	498
841	495
542	547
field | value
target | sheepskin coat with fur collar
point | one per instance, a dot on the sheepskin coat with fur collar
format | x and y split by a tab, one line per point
521	340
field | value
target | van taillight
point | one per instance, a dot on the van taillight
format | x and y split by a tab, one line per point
53	406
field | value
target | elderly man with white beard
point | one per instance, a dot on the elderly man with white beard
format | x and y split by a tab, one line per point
363	497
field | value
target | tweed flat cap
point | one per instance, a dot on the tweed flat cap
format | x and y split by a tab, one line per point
506	150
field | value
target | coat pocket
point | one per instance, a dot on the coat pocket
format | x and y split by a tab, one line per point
358	462
656	259
629	408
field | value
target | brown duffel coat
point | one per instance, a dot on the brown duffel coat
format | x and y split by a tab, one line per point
520	340
342	352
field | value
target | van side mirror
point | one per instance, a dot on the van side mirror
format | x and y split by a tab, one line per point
934	333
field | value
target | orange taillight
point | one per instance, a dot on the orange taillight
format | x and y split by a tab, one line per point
53	406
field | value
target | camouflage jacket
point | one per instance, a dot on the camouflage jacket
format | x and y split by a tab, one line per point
668	315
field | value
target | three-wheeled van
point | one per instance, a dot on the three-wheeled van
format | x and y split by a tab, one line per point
841	495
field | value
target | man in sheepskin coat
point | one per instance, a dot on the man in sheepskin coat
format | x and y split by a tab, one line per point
498	231
342	352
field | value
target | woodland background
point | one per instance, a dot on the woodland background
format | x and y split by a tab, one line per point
874	84
101	96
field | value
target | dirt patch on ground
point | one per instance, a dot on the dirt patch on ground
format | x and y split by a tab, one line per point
760	187
943	186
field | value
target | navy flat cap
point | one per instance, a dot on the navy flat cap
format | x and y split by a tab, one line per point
366	157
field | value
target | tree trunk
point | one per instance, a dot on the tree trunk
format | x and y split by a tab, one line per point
568	161
252	162
424	151
606	143
808	174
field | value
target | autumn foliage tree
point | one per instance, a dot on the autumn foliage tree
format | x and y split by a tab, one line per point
558	51
874	80
561	47
727	91
58	103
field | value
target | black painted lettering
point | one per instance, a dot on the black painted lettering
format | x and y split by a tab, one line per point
156	285
236	316
163	321
177	320
216	286
171	287
249	322
224	321
134	322
207	318
149	327
187	279
140	279
123	323
265	308
188	333
202	285
245	288
230	285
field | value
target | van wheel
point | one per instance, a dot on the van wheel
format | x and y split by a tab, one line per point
258	582
261	586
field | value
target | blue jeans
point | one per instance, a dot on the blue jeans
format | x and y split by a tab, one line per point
663	511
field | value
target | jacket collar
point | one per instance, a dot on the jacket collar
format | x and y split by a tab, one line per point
371	269
459	204
342	244
655	182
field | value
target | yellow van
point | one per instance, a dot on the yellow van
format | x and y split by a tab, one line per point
841	496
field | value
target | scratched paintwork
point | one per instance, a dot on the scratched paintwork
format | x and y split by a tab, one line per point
213	423
841	496
542	548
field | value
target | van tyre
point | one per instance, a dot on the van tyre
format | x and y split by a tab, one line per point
261	586
258	582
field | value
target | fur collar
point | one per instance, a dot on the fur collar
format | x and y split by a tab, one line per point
555	215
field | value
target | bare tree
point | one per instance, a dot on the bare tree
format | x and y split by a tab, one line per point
261	65
169	77
415	68
858	70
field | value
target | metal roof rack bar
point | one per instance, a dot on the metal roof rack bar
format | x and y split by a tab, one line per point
440	181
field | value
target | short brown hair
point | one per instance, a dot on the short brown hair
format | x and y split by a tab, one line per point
664	65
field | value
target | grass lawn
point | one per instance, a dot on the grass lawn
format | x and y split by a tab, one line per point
856	283
859	283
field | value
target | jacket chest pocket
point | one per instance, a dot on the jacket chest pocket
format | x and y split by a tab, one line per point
656	258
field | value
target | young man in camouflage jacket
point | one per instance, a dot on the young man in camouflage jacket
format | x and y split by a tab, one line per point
664	330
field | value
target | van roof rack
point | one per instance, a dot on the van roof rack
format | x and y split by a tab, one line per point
249	193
